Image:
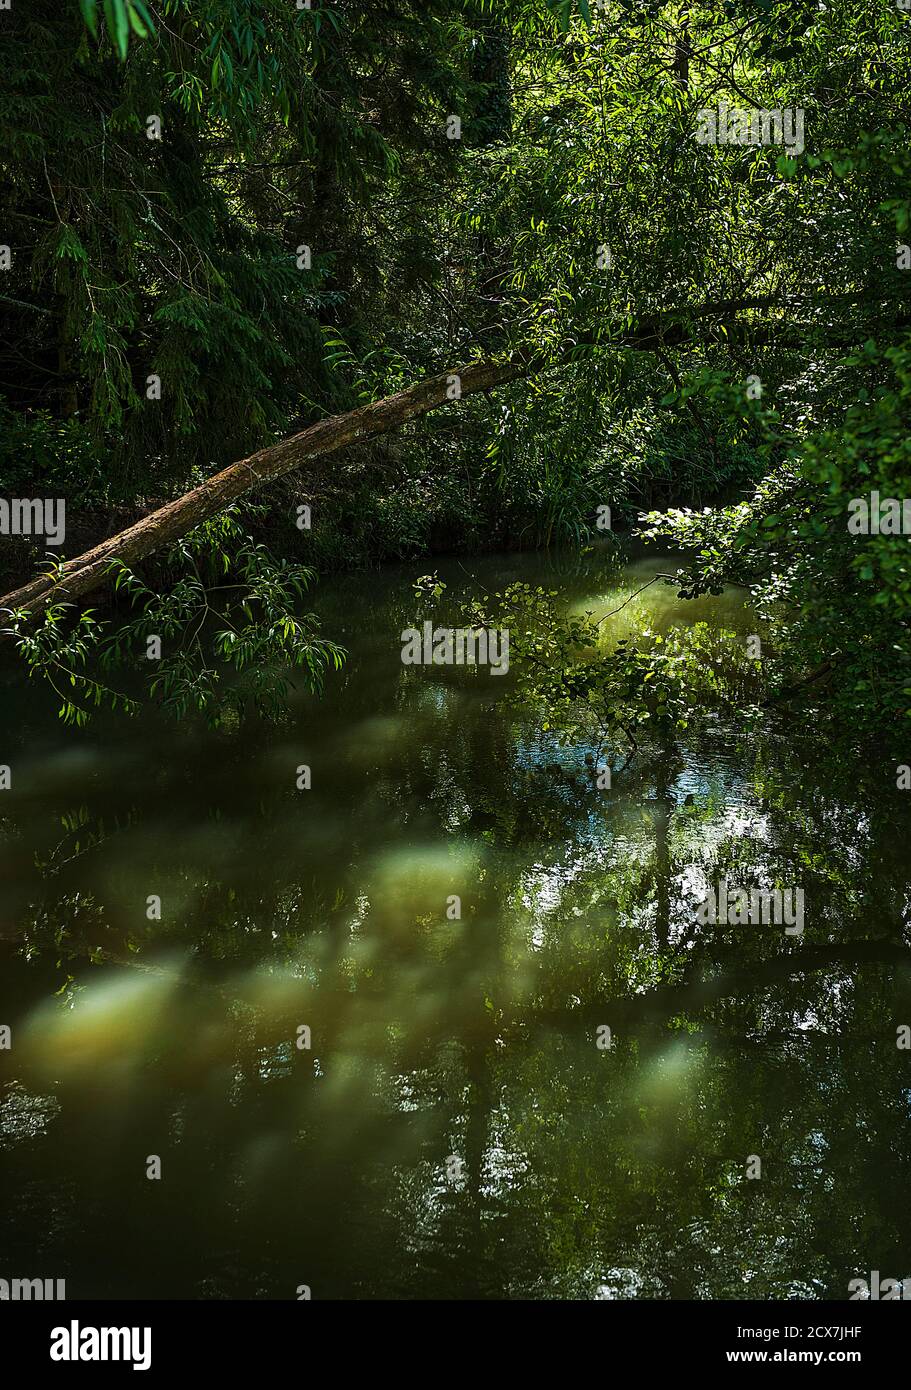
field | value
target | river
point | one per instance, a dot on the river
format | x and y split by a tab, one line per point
351	1093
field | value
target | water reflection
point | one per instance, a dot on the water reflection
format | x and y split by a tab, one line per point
453	1130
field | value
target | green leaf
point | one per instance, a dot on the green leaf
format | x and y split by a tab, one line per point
136	21
115	13
89	10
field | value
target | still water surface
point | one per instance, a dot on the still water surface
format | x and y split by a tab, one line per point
454	1130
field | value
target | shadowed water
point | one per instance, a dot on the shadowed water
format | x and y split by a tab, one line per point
454	1128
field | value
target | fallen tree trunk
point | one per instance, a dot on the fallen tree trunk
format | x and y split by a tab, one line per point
87	572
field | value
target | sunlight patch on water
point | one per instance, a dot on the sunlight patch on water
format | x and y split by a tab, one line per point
112	1021
669	1073
412	883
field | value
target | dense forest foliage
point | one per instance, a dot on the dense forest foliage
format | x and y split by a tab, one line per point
227	220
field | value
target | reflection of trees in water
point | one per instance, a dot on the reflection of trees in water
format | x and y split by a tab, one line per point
581	1168
746	1044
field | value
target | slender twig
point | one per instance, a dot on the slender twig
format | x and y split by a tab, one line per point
671	578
